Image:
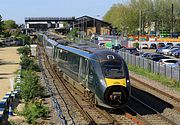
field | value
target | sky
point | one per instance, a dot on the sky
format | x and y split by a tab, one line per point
19	9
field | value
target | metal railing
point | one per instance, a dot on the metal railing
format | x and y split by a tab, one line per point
152	66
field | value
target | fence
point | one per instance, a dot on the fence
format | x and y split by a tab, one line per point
9	102
154	67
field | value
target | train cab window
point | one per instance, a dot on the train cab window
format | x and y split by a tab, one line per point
113	70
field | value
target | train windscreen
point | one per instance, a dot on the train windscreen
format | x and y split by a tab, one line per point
114	70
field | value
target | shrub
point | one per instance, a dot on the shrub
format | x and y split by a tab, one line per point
25	38
26	62
29	63
136	45
32	111
25	50
34	66
30	87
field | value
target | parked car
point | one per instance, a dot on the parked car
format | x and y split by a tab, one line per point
144	46
169	62
153	46
156	57
163	49
144	55
172	47
133	51
171	44
171	51
176	54
178	44
160	45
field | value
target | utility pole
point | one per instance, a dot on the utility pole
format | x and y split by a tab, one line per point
139	29
140	21
172	21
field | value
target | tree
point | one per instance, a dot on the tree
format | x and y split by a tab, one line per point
142	13
9	24
30	87
1	24
73	33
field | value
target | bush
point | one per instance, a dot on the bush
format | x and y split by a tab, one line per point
34	66
25	38
25	50
26	62
136	45
32	111
30	87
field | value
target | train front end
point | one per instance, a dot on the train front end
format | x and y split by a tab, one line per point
117	81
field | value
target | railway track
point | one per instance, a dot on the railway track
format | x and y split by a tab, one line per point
159	93
163	103
147	114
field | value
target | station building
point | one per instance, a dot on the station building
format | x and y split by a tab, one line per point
90	25
86	24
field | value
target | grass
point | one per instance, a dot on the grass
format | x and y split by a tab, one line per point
160	78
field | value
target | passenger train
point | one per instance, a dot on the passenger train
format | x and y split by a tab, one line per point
100	71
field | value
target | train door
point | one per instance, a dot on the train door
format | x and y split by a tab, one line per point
92	78
83	71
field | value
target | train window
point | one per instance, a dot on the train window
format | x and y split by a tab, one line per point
113	70
84	67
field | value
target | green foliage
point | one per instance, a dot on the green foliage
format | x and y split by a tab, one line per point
1	24
25	50
9	24
30	87
126	16
25	38
26	62
12	123
73	33
34	66
160	78
32	111
136	45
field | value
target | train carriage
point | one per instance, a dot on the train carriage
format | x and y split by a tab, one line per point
102	72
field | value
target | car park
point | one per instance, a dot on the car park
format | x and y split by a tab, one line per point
144	55
163	49
171	51
153	46
172	47
159	45
178	44
169	62
171	44
133	51
176	54
156	57
144	46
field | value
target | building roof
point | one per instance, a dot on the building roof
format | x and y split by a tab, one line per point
32	19
88	18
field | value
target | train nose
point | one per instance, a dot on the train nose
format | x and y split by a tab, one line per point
116	95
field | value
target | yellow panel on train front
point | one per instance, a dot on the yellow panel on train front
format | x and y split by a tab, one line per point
111	82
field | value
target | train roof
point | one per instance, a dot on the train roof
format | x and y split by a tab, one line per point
99	54
54	43
75	50
86	49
